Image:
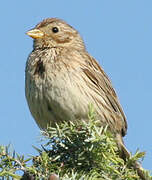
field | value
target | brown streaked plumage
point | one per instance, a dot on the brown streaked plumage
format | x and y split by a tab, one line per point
62	79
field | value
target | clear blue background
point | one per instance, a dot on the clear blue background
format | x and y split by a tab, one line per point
118	33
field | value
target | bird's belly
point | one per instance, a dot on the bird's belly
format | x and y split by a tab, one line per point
56	99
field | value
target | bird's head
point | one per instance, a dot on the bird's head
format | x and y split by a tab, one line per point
53	32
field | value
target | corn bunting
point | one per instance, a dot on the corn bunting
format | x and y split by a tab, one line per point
62	79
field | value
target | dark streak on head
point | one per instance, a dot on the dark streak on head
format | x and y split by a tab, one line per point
47	21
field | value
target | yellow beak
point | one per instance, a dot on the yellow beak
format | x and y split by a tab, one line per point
35	33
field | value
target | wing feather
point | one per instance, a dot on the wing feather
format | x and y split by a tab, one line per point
98	77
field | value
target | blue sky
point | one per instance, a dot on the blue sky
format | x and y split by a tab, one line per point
117	33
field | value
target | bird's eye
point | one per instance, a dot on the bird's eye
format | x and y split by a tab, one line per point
55	29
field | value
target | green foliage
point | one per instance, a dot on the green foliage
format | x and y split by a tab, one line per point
74	151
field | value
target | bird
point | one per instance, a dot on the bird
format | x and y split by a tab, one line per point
62	79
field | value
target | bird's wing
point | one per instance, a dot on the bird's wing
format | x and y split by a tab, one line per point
102	83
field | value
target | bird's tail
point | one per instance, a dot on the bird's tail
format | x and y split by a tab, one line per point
125	154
